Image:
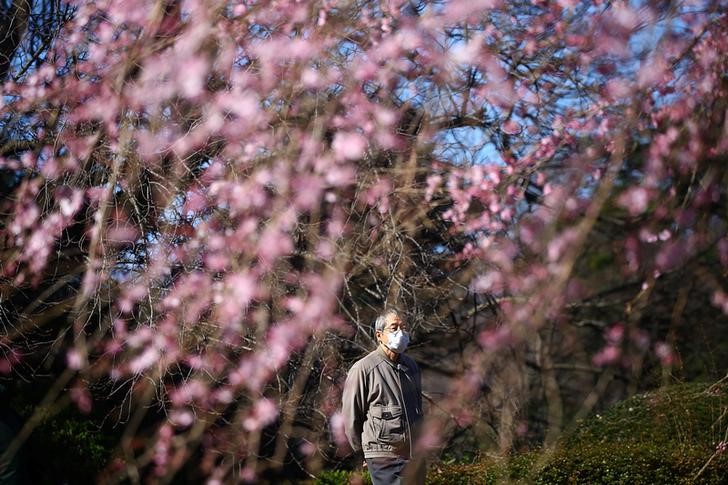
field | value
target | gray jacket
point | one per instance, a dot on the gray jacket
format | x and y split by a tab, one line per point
382	405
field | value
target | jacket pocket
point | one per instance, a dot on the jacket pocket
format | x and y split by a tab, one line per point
389	423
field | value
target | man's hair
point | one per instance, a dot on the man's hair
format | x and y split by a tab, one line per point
381	320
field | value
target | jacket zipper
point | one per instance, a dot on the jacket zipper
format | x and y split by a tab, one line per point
404	406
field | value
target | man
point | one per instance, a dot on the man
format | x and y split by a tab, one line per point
382	406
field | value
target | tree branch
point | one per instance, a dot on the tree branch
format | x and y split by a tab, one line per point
12	27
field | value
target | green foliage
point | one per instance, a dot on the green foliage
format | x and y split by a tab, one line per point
599	260
486	471
628	465
664	436
465	473
343	477
67	447
680	415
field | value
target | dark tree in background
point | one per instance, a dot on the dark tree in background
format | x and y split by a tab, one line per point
206	203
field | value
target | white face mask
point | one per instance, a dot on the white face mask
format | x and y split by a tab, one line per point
398	341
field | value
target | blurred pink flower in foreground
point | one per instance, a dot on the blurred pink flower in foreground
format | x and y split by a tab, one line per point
264	412
348	146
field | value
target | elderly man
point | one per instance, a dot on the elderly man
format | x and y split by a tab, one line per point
382	406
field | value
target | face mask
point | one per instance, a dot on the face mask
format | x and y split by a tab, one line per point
398	341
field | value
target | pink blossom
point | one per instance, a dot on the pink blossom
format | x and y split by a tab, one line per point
671	255
321	21
348	145
273	244
721	447
248	475
561	244
495	339
608	355
191	75
615	333
720	300
337	425
307	448
640	338
192	390
146	359
489	282
430	438
240	290
264	412
510	127
340	176
195	201
223	396
625	16
635	200
308	192
245	105
74	359
466	53
131	295
568	4
466	9
651	72
122	233
182	419
723	251
326	250
81	397
39	247
310	78
433	183
140	337
664	352
114	347
619	88
69	200
242	286
9	359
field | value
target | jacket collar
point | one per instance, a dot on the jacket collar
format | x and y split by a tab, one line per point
383	355
397	365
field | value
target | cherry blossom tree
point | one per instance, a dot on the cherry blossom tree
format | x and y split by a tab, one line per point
207	202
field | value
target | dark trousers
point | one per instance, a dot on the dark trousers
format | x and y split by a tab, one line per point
396	471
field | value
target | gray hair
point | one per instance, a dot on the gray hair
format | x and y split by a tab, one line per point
381	320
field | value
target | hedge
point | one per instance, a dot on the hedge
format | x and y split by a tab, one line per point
664	436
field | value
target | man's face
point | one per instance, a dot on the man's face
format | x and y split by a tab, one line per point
393	324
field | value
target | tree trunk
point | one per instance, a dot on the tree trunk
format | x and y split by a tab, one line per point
13	26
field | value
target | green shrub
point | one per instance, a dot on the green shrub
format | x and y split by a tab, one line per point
464	473
664	436
342	477
66	448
